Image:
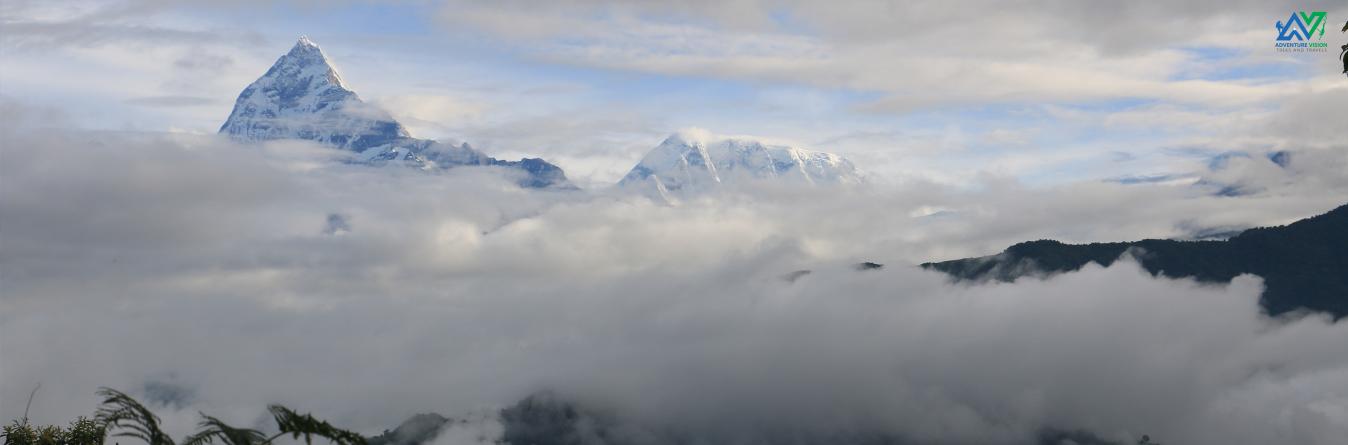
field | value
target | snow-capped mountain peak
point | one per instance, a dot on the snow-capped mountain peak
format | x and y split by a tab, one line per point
681	161
303	97
309	57
695	160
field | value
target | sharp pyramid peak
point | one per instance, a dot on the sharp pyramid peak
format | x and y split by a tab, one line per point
307	55
302	97
306	48
303	89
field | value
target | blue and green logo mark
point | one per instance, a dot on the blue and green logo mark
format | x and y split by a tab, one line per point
1302	26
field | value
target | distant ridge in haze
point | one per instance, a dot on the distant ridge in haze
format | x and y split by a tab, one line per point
693	160
1304	264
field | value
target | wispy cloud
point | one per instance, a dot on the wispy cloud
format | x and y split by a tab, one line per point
173	101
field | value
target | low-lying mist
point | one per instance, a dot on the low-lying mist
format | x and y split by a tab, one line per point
201	275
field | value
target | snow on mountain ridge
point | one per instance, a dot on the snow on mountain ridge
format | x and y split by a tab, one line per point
695	160
302	96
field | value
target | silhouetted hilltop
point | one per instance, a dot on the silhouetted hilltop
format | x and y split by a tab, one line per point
417	430
1304	264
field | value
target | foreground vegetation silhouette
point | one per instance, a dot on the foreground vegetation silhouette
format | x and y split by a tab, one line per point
120	415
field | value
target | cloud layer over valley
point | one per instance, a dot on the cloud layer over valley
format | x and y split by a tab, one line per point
219	277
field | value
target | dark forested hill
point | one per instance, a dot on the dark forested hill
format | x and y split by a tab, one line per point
1304	264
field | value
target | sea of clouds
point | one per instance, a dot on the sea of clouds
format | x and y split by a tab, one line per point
201	275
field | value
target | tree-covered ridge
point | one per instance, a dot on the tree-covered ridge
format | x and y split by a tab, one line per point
1304	264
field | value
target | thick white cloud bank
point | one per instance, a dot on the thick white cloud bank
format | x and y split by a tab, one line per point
221	272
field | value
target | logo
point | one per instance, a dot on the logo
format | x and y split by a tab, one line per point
1301	26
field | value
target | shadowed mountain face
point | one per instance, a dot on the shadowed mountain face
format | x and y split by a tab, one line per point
545	419
1304	264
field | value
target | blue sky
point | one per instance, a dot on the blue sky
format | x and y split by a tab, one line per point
135	244
593	85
